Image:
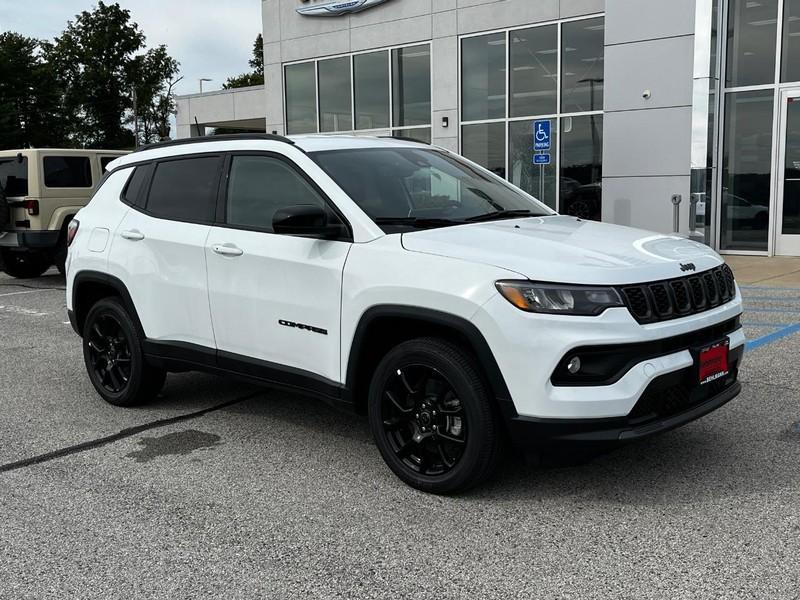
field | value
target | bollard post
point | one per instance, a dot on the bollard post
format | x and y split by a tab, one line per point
676	212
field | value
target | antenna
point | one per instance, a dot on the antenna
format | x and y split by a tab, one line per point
197	126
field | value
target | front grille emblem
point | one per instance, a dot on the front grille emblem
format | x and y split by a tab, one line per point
688	267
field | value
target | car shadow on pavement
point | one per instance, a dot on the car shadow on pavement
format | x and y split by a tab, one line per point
708	459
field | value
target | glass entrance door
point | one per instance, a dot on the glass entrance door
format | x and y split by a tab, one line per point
787	238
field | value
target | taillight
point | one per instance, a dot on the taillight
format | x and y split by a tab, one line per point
72	229
32	206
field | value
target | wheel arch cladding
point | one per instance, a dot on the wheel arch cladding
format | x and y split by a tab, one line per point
383	327
92	286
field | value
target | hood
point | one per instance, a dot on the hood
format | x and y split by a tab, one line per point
563	249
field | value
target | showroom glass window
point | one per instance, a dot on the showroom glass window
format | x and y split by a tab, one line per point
516	82
301	98
380	92
762	59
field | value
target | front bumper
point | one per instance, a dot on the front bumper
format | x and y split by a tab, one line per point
34	240
670	401
529	348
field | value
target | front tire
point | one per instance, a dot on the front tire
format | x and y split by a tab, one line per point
432	417
24	265
114	357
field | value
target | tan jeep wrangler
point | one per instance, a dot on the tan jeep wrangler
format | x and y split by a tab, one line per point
40	192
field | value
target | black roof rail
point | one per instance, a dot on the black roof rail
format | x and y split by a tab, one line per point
218	138
403	139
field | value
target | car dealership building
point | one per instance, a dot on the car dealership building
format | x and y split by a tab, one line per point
652	113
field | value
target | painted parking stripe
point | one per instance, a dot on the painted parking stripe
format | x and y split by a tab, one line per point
788	311
771	299
28	292
773	337
769	288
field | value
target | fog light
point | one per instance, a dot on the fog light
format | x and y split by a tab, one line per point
574	365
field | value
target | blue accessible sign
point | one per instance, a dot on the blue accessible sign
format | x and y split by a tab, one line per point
541	159
541	135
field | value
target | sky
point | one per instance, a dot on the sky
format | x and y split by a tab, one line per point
210	38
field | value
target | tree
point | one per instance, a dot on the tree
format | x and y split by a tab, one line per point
153	76
30	111
99	66
256	76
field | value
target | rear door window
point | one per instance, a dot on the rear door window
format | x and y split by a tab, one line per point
185	189
14	176
67	172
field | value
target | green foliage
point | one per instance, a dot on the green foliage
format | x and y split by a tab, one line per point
256	76
150	73
78	90
30	97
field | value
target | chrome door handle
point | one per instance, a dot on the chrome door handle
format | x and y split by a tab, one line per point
133	235
227	250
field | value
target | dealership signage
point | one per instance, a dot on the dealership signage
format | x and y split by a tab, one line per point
336	9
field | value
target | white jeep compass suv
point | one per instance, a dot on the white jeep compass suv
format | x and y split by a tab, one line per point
405	282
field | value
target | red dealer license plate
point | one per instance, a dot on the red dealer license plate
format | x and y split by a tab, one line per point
713	362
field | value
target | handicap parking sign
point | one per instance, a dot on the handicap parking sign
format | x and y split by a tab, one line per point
541	135
541	159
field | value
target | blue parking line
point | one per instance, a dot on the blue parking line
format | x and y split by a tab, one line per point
772	337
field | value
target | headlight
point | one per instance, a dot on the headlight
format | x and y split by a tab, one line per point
557	299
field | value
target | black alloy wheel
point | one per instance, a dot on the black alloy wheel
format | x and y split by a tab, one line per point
432	416
110	353
423	419
114	356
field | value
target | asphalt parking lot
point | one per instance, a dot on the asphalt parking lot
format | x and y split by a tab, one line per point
231	491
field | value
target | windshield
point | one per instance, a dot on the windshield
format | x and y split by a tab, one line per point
14	176
407	188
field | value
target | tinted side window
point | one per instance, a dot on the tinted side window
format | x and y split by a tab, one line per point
261	185
14	176
136	182
185	190
104	160
67	172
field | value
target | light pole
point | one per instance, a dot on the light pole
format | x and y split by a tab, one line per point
201	80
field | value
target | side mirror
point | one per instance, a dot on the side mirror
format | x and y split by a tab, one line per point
306	220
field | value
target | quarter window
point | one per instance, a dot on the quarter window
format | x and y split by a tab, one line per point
133	190
259	186
104	162
14	176
185	190
67	172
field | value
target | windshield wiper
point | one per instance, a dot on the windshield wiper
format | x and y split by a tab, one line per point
418	222
503	214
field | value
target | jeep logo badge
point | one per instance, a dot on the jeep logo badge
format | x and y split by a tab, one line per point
336	9
688	267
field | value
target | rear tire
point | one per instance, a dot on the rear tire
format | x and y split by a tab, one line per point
433	418
114	356
24	265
